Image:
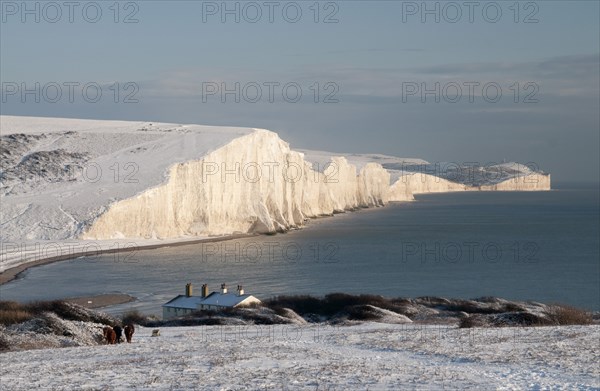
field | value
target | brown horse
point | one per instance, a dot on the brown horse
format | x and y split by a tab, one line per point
118	333
129	330
109	335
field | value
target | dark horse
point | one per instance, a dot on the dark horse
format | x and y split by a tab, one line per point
109	335
118	332
129	330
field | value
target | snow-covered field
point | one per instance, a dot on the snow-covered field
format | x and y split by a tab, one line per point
369	356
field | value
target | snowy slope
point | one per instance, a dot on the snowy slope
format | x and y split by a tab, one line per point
370	356
120	160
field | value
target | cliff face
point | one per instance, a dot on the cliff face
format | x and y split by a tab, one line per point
409	184
420	183
253	184
530	182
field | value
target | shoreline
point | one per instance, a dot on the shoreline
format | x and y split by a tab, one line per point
15	272
100	301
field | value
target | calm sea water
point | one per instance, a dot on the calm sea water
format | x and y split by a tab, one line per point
517	245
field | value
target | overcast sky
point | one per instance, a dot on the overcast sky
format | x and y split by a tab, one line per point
375	76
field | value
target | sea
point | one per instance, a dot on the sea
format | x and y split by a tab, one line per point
530	246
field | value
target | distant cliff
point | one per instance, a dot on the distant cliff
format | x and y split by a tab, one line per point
409	184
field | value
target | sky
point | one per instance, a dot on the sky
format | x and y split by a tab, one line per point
461	82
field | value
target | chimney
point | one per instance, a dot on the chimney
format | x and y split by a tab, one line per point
204	290
240	290
188	289
223	288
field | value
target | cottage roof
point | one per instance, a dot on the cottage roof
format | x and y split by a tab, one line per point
215	299
183	301
224	299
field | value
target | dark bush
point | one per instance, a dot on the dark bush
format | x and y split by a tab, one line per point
472	321
8	317
556	315
4	344
334	303
301	304
134	317
10	305
432	301
513	307
362	312
281	311
483	305
522	318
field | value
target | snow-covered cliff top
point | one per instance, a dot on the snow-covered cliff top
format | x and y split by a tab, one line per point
322	158
30	145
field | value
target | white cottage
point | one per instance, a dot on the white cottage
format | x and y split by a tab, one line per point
185	304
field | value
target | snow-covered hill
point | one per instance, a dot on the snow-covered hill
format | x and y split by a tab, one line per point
59	175
371	356
68	179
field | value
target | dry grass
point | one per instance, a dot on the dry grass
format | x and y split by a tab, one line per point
12	312
564	315
8	317
555	315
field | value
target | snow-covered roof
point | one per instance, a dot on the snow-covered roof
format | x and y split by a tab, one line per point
183	301
215	298
224	299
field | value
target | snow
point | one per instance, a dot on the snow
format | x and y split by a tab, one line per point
322	158
140	152
370	356
40	333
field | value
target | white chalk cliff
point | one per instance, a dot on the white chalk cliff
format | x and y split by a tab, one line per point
255	183
168	181
409	184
